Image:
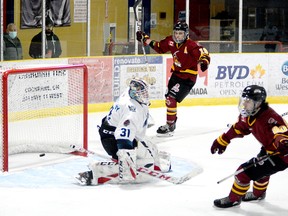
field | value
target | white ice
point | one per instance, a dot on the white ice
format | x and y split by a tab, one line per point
51	190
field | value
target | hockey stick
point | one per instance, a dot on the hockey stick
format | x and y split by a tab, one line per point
248	167
134	9
138	23
284	114
152	173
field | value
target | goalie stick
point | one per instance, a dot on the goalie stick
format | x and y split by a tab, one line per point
152	173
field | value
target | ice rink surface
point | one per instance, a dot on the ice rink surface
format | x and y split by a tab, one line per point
50	189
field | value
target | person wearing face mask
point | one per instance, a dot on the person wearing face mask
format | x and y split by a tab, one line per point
187	56
52	43
12	48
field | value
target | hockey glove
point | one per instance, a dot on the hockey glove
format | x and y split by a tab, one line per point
262	154
281	143
219	145
203	65
142	37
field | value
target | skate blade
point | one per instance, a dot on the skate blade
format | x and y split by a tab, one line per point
169	134
80	181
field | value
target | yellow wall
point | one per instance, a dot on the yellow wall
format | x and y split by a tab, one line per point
216	6
73	38
164	27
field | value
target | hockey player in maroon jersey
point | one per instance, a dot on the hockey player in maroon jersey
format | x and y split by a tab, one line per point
269	128
187	54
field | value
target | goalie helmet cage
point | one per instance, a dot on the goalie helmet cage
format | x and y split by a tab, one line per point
44	109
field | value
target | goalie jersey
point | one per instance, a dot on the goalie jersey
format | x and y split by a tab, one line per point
129	117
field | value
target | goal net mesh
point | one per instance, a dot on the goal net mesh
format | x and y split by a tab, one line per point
44	109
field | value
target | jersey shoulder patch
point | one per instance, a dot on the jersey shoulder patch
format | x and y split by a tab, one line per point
132	108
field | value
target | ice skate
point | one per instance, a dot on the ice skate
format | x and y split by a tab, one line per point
84	178
166	130
249	196
225	203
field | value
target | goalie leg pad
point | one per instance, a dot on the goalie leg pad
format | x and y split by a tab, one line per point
162	159
108	172
104	172
127	165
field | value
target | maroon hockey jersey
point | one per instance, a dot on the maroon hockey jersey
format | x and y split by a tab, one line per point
185	56
264	125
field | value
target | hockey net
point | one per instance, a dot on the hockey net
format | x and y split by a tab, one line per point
44	109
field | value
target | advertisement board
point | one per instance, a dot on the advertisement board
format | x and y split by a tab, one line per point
226	77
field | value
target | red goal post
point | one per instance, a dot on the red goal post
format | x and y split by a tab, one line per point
44	109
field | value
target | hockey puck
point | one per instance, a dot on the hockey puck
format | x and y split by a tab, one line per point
42	155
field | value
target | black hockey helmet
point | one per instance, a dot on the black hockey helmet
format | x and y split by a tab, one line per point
251	99
181	26
255	92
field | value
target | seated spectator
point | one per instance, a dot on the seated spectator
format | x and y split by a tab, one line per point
270	33
52	43
12	48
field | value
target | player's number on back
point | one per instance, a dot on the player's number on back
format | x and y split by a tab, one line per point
125	132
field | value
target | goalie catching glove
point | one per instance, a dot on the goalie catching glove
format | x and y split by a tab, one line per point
142	37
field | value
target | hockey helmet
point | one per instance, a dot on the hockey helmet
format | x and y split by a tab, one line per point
138	90
180	26
251	99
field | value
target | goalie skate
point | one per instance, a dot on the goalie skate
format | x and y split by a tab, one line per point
84	178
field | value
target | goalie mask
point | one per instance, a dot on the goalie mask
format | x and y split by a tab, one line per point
251	100
138	90
180	32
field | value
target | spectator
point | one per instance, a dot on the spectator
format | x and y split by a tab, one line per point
12	48
270	33
52	43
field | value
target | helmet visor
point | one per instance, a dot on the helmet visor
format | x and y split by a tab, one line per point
139	92
248	107
179	36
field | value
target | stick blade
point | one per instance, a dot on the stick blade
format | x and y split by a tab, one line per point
134	8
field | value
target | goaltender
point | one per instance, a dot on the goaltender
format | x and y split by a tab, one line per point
122	135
